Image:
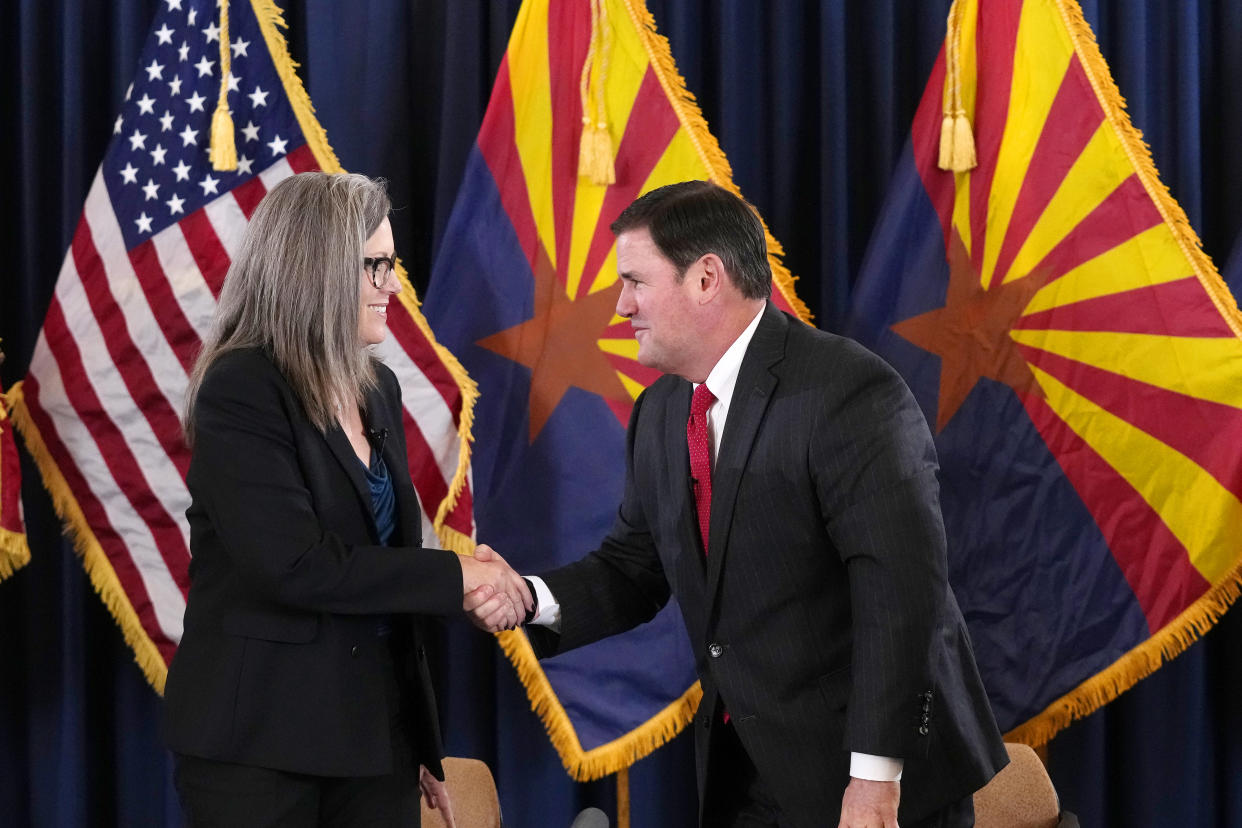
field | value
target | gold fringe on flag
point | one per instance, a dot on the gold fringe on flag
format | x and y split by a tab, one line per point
451	538
1137	664
223	150
270	17
1199	617
14	551
608	758
595	156
957	141
94	560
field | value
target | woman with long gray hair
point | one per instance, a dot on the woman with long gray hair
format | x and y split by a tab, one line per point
300	694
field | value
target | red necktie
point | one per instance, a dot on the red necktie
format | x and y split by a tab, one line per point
701	457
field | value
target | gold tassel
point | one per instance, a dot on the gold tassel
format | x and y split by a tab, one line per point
223	148
223	151
595	155
962	155
957	140
946	143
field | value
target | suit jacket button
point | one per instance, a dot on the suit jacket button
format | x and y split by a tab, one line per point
353	651
922	730
714	650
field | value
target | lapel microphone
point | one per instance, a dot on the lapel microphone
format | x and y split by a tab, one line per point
377	436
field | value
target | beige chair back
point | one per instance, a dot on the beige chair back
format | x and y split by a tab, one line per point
473	793
1020	796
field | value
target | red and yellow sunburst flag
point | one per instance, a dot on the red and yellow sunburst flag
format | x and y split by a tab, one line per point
588	112
1078	356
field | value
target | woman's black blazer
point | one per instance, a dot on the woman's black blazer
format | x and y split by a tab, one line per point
280	665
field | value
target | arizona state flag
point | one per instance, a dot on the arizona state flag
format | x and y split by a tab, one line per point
588	112
1079	360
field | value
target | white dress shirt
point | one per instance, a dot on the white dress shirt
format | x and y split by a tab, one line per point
721	381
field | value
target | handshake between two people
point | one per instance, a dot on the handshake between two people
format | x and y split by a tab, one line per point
494	595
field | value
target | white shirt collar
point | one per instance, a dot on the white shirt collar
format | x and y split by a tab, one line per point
723	376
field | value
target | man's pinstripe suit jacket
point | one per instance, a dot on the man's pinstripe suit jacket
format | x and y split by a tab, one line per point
821	617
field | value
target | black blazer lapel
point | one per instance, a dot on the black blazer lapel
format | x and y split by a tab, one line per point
409	507
352	466
383	417
751	396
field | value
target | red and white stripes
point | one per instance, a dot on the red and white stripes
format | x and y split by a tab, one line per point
108	377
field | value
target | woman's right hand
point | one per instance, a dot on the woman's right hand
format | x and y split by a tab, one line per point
494	595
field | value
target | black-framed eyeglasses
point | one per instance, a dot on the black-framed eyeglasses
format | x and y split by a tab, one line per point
377	269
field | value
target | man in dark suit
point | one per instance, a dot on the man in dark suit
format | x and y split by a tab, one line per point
781	483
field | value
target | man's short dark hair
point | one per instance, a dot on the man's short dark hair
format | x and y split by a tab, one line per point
692	218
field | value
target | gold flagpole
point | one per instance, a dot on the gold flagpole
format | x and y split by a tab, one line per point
623	798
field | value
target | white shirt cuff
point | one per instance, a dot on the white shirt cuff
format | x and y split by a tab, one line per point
876	768
549	614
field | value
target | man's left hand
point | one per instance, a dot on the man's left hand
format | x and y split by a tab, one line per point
869	804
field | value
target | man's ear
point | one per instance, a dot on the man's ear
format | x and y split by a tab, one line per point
711	276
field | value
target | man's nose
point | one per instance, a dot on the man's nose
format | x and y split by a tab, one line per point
625	301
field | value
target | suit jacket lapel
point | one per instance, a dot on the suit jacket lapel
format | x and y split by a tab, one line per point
409	508
352	466
751	396
409	513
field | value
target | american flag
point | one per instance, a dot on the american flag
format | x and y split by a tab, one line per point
100	407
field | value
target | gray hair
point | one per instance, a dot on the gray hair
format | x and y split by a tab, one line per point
294	290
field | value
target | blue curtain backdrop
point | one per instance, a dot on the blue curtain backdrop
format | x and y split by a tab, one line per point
812	101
